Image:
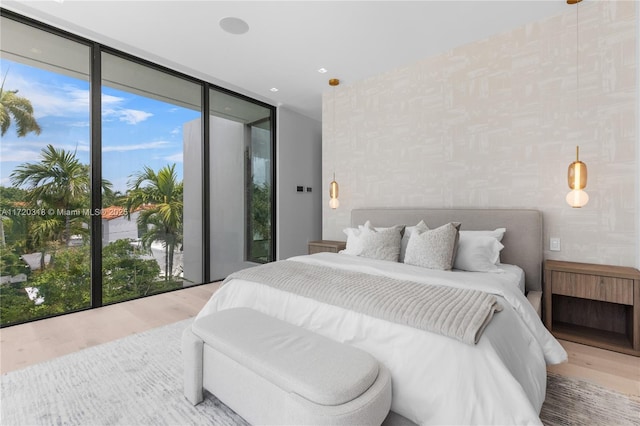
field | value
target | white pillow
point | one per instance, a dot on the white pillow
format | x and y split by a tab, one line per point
354	245
433	249
374	243
497	233
420	227
478	253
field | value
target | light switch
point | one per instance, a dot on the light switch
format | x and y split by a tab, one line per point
554	244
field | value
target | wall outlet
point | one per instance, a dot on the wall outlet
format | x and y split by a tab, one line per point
554	244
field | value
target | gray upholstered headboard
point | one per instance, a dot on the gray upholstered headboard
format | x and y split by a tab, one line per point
523	244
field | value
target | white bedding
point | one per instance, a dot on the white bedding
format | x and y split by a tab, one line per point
436	379
516	272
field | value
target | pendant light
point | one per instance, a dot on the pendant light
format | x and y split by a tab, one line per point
577	173
333	193
577	179
333	186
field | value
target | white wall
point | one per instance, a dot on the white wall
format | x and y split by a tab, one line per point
120	228
227	192
493	124
299	153
192	201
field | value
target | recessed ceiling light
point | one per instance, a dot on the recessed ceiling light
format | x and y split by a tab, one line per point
274	89
233	25
322	70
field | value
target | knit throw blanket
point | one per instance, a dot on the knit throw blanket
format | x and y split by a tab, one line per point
461	314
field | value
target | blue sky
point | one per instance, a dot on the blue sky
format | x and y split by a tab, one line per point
136	131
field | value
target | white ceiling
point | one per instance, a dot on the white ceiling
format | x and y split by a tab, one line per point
288	41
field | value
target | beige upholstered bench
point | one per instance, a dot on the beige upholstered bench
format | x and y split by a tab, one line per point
272	372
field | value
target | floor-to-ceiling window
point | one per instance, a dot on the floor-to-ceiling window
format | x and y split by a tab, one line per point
44	174
111	185
147	118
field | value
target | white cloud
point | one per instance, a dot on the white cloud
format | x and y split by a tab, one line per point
79	124
19	155
176	131
20	151
8	147
109	101
80	146
133	116
135	147
70	100
176	158
51	100
129	116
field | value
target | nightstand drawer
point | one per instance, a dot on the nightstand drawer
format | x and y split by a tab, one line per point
597	305
594	287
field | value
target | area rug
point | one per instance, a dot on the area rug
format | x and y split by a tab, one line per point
137	380
577	402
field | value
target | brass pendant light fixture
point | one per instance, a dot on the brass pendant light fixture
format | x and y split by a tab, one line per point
333	193
577	173
577	179
333	186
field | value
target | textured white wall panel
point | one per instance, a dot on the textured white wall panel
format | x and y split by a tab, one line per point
494	124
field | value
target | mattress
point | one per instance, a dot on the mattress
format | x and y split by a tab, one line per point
436	379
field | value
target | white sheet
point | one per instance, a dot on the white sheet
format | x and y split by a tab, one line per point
516	272
436	380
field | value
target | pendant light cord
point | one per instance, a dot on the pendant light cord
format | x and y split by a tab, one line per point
577	63
333	126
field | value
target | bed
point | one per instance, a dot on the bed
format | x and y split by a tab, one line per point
436	379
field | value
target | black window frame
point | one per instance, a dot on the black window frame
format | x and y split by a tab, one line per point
96	50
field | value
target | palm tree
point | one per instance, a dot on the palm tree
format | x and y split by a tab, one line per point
22	111
18	107
158	196
58	181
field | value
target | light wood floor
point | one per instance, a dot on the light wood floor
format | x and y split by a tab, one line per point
27	344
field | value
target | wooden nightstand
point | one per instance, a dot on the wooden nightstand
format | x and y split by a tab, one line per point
326	245
597	305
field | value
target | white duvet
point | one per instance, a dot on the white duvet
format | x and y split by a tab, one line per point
435	379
